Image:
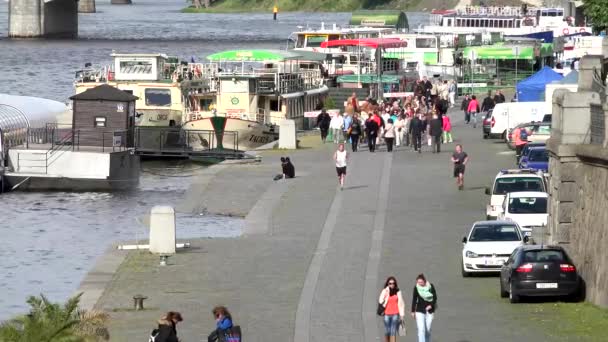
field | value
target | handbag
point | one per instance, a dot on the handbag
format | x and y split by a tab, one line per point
380	310
402	329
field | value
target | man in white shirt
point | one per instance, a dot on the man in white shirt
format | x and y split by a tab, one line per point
336	124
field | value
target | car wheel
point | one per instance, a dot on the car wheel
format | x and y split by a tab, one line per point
465	274
503	293
513	297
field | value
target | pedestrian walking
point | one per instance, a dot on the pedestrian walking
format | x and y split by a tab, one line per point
473	109
371	130
416	129
460	159
167	328
323	120
225	330
336	124
355	132
341	157
499	97
392	302
452	93
399	130
464	106
424	302
520	137
348	120
436	131
488	103
389	135
447	129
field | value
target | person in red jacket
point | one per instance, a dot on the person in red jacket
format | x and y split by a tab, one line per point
473	109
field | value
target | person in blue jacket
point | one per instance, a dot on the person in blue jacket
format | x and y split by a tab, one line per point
223	323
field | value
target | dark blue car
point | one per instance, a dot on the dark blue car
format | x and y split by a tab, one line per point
536	158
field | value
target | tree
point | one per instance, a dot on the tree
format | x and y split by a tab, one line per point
51	322
597	12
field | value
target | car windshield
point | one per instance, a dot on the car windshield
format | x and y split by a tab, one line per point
494	233
544	255
505	185
528	205
538	156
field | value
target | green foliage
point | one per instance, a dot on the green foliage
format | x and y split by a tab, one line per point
319	5
52	322
329	103
597	11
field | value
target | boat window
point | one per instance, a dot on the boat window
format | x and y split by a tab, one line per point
469	23
136	67
510	23
425	43
449	22
100	121
491	23
300	41
315	41
275	105
457	22
158	97
518	23
500	23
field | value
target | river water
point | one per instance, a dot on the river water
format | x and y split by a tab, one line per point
50	240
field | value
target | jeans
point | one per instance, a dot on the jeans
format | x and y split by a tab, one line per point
423	323
324	133
474	118
391	324
354	141
417	141
389	144
467	116
437	143
336	132
371	142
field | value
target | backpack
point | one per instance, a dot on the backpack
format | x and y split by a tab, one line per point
523	134
233	334
153	335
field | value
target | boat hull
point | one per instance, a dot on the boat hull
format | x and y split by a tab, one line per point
249	134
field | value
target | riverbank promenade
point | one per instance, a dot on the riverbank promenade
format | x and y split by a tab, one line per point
313	258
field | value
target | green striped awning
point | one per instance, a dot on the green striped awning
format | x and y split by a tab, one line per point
499	52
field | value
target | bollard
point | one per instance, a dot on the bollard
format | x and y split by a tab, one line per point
163	260
138	302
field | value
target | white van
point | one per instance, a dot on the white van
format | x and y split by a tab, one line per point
505	116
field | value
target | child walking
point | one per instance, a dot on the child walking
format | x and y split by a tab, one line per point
447	129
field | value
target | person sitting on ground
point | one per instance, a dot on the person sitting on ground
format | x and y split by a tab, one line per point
225	330
289	171
167	325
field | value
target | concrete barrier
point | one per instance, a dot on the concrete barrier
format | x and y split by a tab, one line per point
162	230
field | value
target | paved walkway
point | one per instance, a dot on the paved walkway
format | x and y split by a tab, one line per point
315	272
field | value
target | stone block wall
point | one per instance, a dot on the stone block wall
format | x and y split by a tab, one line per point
578	182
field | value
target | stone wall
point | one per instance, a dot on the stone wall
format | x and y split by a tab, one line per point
578	182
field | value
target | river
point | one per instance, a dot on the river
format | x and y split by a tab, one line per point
50	240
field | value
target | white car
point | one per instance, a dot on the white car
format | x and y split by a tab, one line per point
505	116
527	208
488	245
510	181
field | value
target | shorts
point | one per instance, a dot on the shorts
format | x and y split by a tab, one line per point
458	169
341	170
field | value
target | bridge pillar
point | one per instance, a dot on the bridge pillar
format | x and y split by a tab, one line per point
86	6
40	19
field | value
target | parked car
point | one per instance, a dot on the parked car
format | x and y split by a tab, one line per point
488	245
537	132
486	124
537	158
508	115
510	181
526	208
538	270
527	147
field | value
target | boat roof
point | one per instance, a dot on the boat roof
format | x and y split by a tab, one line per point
161	55
343	30
255	55
367	42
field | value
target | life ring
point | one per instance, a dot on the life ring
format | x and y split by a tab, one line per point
528	21
582	30
565	31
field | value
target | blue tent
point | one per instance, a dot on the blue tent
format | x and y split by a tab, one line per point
533	88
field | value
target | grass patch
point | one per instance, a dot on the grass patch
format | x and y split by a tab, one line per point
571	321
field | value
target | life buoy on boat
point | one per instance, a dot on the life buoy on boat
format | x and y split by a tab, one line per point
582	30
565	31
528	21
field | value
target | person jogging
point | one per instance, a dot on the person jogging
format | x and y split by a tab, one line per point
340	157
460	159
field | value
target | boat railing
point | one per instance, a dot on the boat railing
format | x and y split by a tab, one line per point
262	116
282	83
167	140
500	11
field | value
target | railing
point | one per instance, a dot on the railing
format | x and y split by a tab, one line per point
176	140
598	118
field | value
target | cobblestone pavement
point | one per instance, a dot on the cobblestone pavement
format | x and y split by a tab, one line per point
399	214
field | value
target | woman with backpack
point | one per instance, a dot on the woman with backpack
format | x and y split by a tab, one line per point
392	309
167	325
225	331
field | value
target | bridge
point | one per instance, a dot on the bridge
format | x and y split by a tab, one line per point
48	18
